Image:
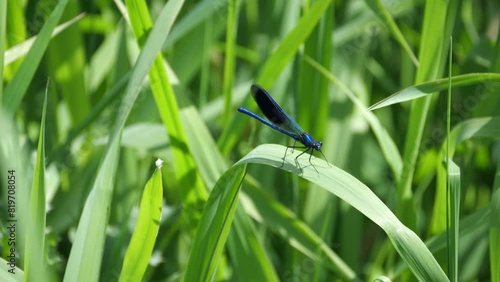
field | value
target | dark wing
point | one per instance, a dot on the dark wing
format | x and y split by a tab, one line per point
273	111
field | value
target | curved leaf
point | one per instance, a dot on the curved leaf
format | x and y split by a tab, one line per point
143	240
216	218
420	90
359	196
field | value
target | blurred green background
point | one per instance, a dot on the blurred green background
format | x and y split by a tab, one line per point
126	83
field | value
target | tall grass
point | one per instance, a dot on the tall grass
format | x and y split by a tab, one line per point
134	81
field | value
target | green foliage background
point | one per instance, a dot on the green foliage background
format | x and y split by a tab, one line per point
94	92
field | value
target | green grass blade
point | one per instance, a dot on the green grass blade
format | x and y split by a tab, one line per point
427	88
454	196
146	230
494	231
3	23
84	261
214	226
35	268
17	87
451	168
359	196
17	31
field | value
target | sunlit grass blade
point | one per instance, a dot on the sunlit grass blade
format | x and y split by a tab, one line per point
86	253
17	87
338	182
214	226
35	258
424	89
146	230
